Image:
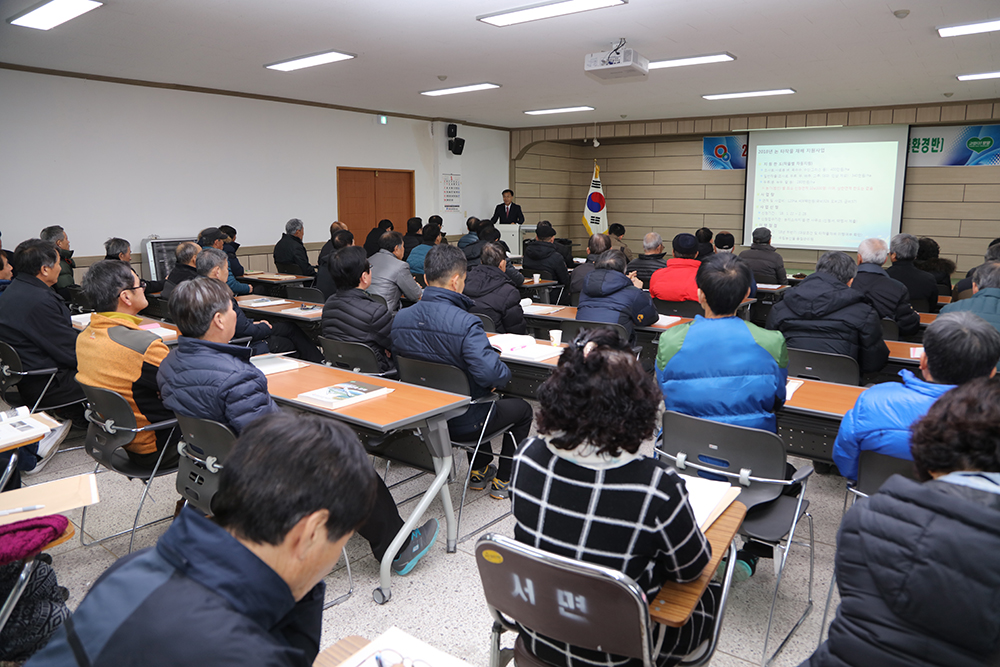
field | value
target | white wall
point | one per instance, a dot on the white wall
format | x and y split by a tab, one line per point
106	159
482	165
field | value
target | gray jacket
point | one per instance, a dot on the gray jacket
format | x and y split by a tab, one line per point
390	278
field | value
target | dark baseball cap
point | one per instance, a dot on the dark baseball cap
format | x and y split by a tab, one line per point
724	241
761	235
210	235
544	230
685	244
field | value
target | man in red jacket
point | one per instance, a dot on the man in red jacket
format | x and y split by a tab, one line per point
676	282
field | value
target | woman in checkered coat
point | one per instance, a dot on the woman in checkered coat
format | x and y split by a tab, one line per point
582	490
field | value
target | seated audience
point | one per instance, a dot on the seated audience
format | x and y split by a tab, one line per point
704	238
958	347
121	250
582	490
391	277
57	235
648	263
185	256
724	243
7	253
265	336
41	609
335	226
371	241
213	237
920	284
721	367
114	353
676	281
440	329
889	296
985	301
493	293
911	563
244	587
611	296
615	233
206	377
472	224
290	253
352	315
489	234
413	237
824	314
541	255
992	255
324	279
230	247
596	246
6	272
767	265
432	236
929	259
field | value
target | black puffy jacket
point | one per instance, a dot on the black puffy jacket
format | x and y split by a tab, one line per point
352	315
917	578
890	297
494	295
544	256
825	315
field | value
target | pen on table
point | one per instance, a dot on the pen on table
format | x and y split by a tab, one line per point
18	510
378	660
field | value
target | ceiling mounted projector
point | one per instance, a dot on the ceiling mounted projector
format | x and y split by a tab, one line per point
621	63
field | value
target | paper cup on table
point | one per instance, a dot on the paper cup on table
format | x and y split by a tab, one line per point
535	277
555	337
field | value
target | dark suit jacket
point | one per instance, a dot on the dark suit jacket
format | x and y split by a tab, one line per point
500	215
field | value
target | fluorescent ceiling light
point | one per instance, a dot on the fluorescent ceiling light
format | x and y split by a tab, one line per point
756	93
310	61
545	10
979	77
460	89
53	13
697	60
542	112
970	28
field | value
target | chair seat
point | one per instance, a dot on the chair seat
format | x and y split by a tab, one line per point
490	435
523	657
769	522
122	464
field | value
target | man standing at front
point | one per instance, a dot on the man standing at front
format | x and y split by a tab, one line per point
508	212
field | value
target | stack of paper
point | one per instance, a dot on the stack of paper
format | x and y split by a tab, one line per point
306	311
19	425
262	302
523	348
791	387
708	498
667	319
269	364
82	320
767	286
540	310
916	352
163	332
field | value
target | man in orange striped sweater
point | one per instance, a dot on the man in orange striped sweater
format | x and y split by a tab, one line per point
114	353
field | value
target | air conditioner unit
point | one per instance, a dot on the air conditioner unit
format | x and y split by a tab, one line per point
618	64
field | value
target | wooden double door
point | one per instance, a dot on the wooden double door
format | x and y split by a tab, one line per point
365	196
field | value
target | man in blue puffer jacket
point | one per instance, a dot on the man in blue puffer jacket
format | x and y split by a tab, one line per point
719	366
611	296
957	348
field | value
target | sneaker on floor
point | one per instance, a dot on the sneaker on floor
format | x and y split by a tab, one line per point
421	541
499	489
482	477
746	565
48	447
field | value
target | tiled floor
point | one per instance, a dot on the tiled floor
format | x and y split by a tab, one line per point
441	601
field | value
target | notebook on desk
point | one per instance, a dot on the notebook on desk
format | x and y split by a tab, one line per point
709	498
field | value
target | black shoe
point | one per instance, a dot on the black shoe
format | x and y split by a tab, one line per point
757	549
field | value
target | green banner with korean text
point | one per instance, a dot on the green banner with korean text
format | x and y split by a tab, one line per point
954	146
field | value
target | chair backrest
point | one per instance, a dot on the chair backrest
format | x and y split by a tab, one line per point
379	298
78	299
292	269
726	449
920	305
204	448
824	366
944	290
890	330
489	326
574	298
582	604
571	328
964	294
419	277
875	468
10	367
678	308
307	294
443	377
110	417
356	357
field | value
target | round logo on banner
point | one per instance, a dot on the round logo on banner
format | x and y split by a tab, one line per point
595	202
722	152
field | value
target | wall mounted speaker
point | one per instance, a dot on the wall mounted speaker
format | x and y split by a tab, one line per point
456	145
452	131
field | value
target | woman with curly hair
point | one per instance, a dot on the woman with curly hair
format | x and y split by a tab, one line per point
916	562
929	259
581	489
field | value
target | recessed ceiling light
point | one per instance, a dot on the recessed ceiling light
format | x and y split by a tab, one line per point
969	28
460	89
696	60
545	10
542	112
756	93
310	61
979	77
51	14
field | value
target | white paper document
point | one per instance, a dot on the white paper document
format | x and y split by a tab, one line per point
81	320
708	498
261	303
667	319
791	387
269	364
537	309
396	647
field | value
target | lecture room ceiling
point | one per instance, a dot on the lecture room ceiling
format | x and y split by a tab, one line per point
834	53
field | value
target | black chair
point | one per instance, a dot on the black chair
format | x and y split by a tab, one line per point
419	277
823	366
571	328
678	308
307	294
379	298
920	305
964	294
944	290
78	301
291	269
574	299
12	372
539	590
356	357
756	461
204	448
890	330
489	326
452	379
112	426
